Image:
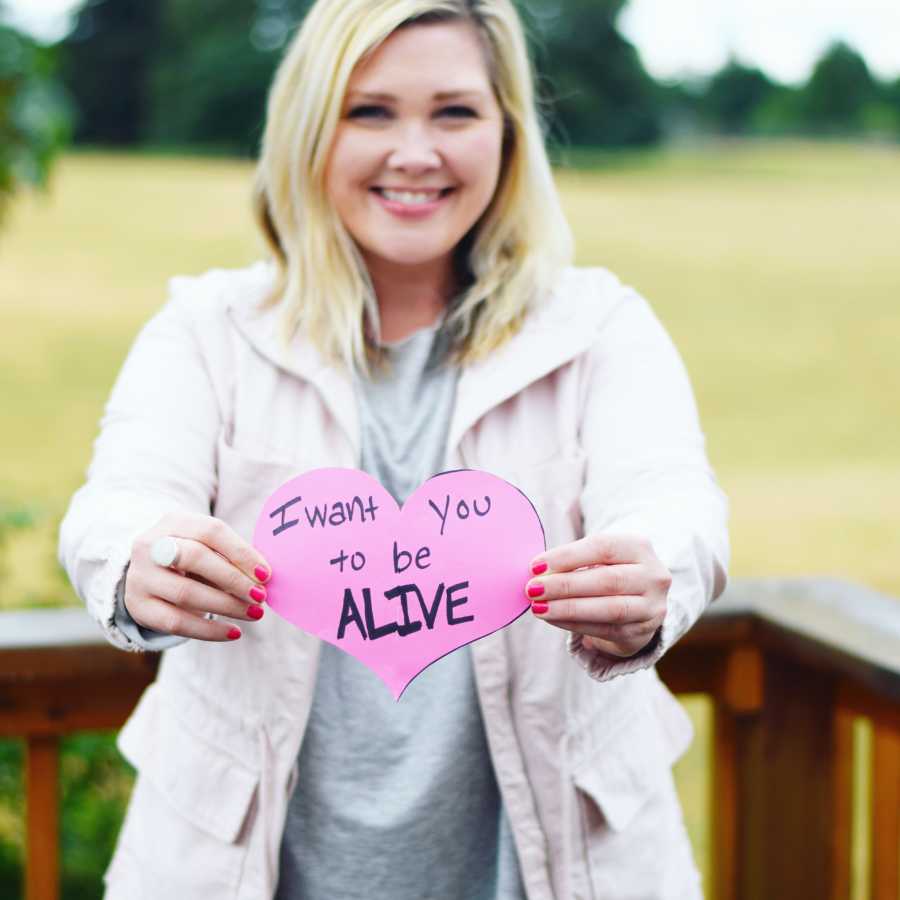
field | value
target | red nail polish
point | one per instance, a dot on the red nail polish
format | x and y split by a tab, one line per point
255	612
539	568
262	574
234	634
540	608
258	594
535	590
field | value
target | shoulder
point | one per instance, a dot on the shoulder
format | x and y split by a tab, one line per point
594	302
204	298
588	283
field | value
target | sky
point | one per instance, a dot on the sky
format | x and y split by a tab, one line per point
684	38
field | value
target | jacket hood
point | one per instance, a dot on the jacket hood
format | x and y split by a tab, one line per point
561	327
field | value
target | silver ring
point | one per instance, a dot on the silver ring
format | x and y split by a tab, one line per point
164	552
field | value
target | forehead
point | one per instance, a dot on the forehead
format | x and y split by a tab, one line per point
449	57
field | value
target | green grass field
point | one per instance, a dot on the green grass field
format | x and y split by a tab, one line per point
774	267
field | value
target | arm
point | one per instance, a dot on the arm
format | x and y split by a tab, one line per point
647	478
155	455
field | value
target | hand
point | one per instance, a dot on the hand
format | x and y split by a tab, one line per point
612	589
216	573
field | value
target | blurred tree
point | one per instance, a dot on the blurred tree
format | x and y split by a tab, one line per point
12	800
105	63
35	115
183	72
590	77
838	91
891	93
882	117
681	104
733	95
95	784
211	74
780	113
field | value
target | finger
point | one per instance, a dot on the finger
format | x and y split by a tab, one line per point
599	581
616	611
211	568
636	634
193	596
159	615
221	537
593	550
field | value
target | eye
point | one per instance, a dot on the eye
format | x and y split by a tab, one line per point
359	111
373	111
458	111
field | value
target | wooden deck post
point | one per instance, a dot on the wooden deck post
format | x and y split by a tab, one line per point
886	808
42	805
842	797
788	773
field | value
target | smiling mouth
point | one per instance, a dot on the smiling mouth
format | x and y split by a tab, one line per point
412	198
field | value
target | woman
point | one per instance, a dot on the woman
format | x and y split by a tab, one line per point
419	313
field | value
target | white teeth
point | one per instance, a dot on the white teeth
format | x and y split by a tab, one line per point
413	199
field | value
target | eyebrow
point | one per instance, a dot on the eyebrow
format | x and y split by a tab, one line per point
440	95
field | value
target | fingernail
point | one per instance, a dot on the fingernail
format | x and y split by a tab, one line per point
258	594
540	608
262	574
535	590
234	634
255	612
539	568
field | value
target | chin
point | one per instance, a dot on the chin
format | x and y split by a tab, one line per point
401	256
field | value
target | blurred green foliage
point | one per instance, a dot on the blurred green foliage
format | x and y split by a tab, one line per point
734	94
840	99
95	784
13	517
208	82
104	64
181	72
11	836
596	90
35	114
838	91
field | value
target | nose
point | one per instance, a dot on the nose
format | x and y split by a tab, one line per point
414	150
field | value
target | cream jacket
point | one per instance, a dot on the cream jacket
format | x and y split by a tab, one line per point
588	410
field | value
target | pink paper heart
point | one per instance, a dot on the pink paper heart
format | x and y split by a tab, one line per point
398	588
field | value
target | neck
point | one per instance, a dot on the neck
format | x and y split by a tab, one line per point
410	299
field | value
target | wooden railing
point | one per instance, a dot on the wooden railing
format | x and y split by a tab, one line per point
788	664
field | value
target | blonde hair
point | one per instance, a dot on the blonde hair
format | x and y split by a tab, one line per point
510	258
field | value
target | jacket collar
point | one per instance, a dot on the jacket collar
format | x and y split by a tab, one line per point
558	330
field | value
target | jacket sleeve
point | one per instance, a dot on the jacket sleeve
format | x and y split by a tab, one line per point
648	474
155	454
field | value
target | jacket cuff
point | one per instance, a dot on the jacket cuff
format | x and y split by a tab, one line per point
97	564
141	638
106	585
604	667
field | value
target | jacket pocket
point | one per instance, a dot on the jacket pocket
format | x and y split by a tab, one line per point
245	482
185	824
635	844
625	770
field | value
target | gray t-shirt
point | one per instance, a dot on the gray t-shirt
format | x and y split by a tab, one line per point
394	800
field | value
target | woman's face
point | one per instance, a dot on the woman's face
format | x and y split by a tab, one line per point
416	157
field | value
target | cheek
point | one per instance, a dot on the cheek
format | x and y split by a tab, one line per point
346	166
479	160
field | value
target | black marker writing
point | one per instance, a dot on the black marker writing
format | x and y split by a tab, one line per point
282	509
462	510
369	630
